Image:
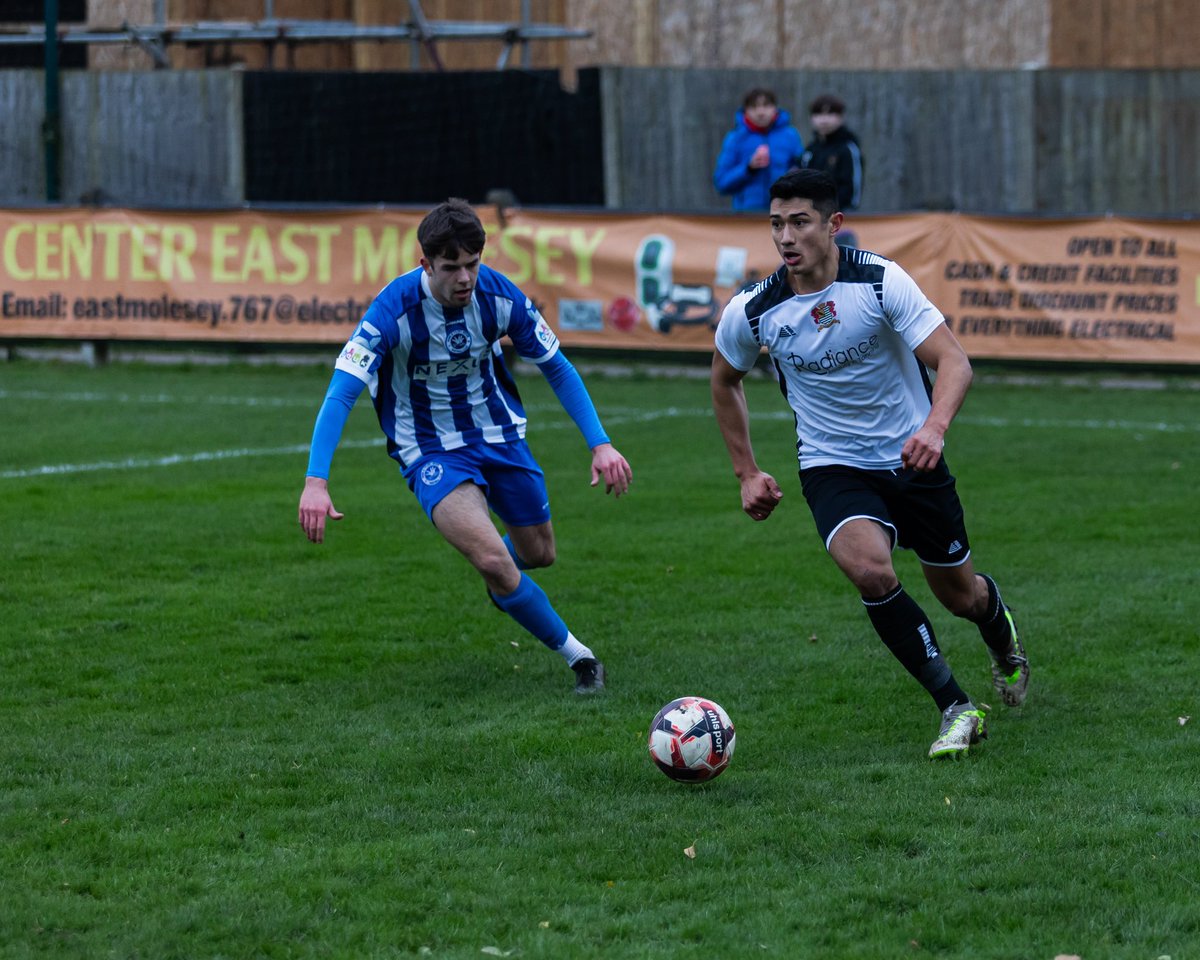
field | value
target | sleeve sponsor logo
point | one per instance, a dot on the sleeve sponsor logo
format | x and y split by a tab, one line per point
355	356
544	334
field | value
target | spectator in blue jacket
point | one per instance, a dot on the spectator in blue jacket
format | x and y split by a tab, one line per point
762	146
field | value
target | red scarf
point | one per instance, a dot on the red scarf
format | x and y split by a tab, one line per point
755	128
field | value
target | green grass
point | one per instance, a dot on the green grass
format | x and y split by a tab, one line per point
218	740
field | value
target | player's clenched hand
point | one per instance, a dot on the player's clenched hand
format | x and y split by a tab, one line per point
923	449
315	506
760	495
614	468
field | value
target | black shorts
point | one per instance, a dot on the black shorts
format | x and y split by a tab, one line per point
920	511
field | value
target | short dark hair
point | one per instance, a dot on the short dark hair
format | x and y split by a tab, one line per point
449	228
808	184
754	94
827	103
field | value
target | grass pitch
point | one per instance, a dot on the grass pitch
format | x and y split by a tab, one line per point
219	740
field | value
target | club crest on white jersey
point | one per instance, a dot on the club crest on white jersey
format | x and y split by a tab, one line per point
824	314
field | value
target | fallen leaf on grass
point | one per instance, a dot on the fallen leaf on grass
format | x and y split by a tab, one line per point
495	952
947	799
1068	956
1183	720
690	852
812	638
544	924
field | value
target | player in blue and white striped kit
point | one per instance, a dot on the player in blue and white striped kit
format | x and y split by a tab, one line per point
428	351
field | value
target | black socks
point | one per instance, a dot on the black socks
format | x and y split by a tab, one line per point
907	632
994	626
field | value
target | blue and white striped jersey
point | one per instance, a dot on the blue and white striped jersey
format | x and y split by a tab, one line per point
844	356
435	373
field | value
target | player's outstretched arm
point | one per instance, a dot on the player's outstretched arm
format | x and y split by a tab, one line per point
315	506
568	386
760	492
607	463
942	353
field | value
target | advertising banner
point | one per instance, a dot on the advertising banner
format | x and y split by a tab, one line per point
1104	289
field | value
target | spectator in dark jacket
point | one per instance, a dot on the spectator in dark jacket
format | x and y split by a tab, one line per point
834	149
762	146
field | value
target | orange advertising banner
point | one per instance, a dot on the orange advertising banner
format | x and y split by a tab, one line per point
1098	290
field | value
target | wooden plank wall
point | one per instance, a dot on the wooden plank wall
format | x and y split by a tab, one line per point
394	55
990	141
129	138
1124	33
22	153
814	34
1128	140
931	139
767	34
168	138
889	34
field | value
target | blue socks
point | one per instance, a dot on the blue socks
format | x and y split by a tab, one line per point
512	552
530	607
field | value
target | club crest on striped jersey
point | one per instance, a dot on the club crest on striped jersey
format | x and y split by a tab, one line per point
459	340
825	314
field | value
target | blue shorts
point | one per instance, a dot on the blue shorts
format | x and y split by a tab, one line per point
510	478
920	511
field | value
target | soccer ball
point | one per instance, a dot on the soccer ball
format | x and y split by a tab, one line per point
691	739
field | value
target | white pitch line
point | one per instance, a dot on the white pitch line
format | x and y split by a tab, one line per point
1134	426
171	460
160	398
648	416
626	414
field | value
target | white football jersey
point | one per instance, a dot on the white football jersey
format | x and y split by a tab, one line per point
844	356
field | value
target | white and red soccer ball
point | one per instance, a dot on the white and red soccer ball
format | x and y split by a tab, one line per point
691	739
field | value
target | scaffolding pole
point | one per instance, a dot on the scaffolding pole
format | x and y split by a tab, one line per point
422	33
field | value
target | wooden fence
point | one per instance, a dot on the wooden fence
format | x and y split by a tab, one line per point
1003	141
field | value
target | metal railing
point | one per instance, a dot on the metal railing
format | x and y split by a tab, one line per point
421	32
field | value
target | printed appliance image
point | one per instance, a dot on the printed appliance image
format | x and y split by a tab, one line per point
665	302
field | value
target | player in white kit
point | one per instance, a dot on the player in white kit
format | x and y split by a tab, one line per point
853	338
